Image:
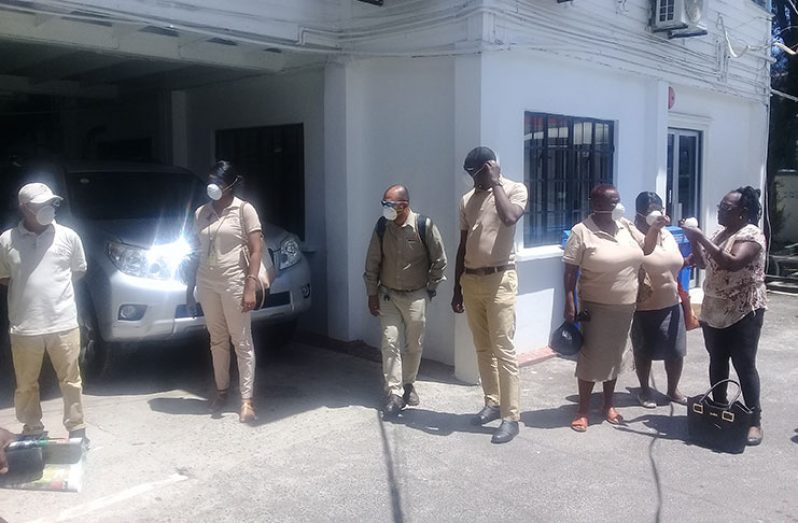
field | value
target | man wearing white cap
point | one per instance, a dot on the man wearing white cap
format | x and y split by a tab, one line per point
39	260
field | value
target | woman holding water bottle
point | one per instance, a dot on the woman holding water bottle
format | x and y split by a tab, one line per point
658	329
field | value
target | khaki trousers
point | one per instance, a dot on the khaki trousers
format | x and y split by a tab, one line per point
28	353
221	304
403	316
489	302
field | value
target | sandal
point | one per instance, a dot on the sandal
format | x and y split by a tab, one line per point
645	401
613	417
579	423
247	412
681	399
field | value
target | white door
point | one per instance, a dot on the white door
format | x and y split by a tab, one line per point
684	174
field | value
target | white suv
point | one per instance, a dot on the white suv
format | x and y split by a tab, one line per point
134	220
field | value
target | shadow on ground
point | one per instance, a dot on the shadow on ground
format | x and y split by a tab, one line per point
293	379
438	423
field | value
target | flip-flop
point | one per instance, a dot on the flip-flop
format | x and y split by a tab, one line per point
617	419
646	402
680	401
579	423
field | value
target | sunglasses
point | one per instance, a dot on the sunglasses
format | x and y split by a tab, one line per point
393	203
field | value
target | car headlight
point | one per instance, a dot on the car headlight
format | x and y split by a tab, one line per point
160	262
290	253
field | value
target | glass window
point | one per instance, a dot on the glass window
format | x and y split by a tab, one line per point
564	157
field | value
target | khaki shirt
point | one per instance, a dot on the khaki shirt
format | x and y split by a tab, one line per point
403	264
220	239
608	264
489	243
41	296
662	268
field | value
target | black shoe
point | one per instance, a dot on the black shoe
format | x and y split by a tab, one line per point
506	432
80	434
486	415
393	406
410	397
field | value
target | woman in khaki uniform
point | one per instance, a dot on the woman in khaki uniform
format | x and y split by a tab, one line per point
658	331
603	255
229	244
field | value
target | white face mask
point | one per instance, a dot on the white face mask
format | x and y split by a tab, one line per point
389	213
45	215
651	218
617	212
214	192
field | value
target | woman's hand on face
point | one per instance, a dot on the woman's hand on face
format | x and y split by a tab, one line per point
661	221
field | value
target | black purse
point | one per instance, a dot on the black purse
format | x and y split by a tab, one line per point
566	339
718	426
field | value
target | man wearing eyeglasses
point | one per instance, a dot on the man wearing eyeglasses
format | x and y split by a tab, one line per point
404	265
486	285
39	260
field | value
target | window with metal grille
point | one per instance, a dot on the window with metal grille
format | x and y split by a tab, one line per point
564	157
666	10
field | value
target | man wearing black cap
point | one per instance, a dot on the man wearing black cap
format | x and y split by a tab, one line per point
486	284
39	259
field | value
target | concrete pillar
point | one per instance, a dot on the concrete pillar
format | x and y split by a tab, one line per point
336	181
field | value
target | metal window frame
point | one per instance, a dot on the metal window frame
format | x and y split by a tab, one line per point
539	227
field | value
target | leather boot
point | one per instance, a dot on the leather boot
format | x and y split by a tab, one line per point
410	397
393	406
486	415
506	432
218	402
247	412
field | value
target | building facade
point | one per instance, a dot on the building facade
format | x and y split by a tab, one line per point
346	98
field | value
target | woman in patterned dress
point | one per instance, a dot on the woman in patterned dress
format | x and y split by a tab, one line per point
734	296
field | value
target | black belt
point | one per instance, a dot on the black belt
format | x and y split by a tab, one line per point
484	271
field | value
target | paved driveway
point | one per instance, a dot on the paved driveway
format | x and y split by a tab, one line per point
321	453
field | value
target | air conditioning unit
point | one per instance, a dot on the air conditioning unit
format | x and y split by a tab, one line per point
680	17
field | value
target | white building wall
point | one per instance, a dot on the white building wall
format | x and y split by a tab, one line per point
735	143
412	120
400	130
734	135
263	101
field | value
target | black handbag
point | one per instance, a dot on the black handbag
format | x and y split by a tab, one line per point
718	426
566	339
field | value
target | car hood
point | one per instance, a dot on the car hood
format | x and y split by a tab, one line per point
141	232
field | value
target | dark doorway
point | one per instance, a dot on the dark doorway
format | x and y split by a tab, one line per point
272	160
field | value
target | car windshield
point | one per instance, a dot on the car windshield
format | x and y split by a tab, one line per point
132	195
